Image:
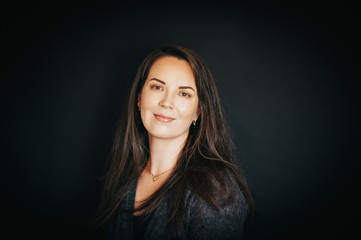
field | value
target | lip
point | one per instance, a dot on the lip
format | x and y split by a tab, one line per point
163	118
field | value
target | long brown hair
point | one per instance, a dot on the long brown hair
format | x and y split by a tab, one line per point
206	158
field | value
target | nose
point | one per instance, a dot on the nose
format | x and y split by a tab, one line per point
166	101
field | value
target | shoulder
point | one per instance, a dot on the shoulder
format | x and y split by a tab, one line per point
218	189
219	212
217	184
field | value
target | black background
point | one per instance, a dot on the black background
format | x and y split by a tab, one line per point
288	76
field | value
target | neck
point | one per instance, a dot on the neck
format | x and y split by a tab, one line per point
164	153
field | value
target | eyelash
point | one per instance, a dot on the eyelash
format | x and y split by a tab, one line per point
158	88
188	95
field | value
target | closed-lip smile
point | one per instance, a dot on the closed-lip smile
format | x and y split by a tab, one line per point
163	118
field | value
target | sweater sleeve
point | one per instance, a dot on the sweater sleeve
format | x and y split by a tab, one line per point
208	223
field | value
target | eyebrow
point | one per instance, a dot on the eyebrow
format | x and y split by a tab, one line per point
158	80
181	87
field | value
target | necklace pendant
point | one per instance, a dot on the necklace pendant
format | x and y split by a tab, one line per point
154	178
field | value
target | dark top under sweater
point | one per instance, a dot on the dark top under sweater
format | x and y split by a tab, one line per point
140	224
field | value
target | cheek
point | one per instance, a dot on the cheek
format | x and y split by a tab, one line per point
147	100
188	110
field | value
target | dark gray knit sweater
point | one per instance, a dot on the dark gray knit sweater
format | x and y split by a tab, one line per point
227	223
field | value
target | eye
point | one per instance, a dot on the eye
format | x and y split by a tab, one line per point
156	87
184	94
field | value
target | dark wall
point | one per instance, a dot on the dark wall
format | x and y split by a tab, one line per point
288	75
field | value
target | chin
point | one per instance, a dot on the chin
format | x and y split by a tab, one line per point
166	134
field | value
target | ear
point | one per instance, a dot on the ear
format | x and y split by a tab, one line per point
138	103
197	114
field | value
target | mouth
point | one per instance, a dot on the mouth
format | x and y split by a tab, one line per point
163	118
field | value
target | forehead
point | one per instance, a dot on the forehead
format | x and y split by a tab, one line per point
172	70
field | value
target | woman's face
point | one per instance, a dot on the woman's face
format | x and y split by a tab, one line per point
169	99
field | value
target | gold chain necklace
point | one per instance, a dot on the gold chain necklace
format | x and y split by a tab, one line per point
155	177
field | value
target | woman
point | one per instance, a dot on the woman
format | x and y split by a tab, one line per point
171	173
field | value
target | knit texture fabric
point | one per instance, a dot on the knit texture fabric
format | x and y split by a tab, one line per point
204	222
